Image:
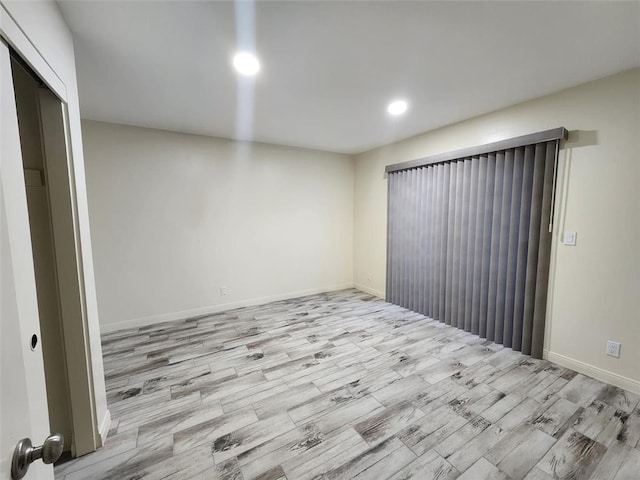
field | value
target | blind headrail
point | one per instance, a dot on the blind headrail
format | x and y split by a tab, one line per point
531	139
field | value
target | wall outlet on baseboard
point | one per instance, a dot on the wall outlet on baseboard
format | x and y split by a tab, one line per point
613	348
224	291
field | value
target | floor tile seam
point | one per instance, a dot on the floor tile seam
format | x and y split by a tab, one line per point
418	456
349	424
170	475
235	457
110	377
135	408
393	451
484	456
69	467
614	475
551	446
443	427
105	459
193	411
407	445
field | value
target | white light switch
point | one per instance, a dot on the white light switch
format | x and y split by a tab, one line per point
569	238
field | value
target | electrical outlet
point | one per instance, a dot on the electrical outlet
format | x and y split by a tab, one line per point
613	348
368	276
224	291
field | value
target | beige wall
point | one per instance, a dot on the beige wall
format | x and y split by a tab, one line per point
175	217
595	286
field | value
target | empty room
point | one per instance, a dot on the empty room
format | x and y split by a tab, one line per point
298	240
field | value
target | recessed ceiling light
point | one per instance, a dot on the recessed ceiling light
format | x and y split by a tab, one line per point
397	107
246	63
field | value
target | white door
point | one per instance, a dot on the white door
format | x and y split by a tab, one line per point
23	399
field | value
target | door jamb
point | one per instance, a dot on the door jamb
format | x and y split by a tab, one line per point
59	175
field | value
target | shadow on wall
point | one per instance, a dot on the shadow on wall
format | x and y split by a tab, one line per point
576	139
581	138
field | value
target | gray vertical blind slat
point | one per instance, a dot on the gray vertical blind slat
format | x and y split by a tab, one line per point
397	258
392	219
523	245
407	257
494	254
450	241
430	205
464	241
468	242
404	254
532	251
436	277
391	198
544	254
457	244
442	231
411	240
421	261
431	244
417	264
486	244
415	240
413	229
472	215
512	252
482	164
503	249
396	213
420	246
415	246
435	258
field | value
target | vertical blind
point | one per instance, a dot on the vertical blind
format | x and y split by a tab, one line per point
469	238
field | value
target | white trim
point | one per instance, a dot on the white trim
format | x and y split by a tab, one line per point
626	383
370	290
19	41
170	317
105	425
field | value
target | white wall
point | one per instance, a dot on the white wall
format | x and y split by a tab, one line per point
595	287
175	217
45	27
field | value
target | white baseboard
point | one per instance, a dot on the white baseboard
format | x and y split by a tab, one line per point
169	317
372	291
105	425
626	383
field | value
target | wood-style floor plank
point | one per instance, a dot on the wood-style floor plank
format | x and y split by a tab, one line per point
346	386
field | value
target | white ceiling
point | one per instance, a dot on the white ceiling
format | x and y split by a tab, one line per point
330	68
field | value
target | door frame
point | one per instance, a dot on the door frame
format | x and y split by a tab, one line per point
85	426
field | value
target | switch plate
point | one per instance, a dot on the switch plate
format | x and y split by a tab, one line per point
613	348
570	238
224	291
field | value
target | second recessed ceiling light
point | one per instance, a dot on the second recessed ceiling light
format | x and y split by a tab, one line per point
397	107
246	63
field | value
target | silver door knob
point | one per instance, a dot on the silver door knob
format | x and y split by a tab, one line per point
25	454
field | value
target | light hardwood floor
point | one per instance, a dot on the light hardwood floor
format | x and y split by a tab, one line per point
344	385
